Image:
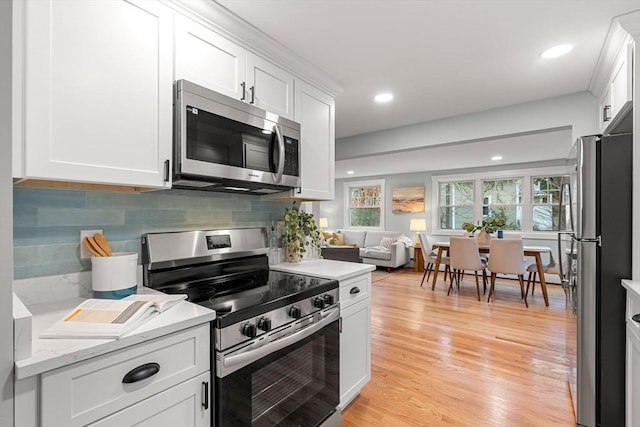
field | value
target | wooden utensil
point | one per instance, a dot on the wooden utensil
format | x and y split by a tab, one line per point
93	248
103	243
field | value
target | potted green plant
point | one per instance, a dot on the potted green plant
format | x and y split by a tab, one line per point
486	227
300	232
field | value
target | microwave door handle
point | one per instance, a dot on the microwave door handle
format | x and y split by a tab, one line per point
280	169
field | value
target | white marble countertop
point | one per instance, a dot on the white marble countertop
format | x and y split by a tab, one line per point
632	285
48	354
325	268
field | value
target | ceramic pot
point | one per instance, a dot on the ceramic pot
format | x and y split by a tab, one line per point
484	238
292	256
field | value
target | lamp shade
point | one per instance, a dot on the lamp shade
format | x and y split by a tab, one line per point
323	222
418	224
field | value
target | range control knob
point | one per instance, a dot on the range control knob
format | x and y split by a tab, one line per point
295	312
328	299
318	302
249	330
264	324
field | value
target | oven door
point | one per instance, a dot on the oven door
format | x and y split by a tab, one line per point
295	385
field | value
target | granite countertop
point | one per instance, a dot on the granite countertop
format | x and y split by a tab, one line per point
48	354
325	268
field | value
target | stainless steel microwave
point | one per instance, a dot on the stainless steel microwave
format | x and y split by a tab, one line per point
223	144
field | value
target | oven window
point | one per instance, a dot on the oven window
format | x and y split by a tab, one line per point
298	385
216	139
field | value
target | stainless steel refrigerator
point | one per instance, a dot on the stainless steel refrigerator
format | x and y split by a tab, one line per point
600	246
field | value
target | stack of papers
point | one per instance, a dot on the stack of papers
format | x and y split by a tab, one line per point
106	318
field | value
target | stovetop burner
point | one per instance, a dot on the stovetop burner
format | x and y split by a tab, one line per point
225	270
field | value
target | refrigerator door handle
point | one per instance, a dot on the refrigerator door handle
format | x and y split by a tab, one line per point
597	240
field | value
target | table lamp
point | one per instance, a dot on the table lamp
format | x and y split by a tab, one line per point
417	225
323	223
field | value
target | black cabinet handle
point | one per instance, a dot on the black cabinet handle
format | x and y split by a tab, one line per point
355	290
166	171
253	95
606	113
205	394
244	91
636	317
142	372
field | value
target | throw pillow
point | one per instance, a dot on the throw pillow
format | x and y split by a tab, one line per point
386	242
338	238
327	235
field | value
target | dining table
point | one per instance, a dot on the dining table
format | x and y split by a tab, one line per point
531	251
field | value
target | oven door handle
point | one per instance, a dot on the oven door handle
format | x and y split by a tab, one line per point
230	364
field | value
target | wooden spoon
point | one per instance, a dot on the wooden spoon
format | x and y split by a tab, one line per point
88	242
97	250
103	243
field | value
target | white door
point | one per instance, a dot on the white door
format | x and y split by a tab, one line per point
269	87
98	91
210	60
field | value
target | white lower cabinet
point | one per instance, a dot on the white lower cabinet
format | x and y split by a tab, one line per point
355	337
168	384
183	405
633	377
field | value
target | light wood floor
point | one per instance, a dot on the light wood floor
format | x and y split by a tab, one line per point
441	360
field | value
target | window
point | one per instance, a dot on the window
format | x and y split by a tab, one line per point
502	199
546	210
455	204
365	204
528	200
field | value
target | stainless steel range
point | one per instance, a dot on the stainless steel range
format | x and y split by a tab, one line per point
276	335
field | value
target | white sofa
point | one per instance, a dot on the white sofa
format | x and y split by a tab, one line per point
371	251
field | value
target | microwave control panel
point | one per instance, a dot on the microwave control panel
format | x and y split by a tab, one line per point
291	157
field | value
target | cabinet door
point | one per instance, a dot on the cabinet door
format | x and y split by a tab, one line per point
98	91
269	87
633	378
355	350
187	405
315	111
620	82
208	59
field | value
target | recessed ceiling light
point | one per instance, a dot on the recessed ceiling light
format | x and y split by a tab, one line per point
350	172
495	158
383	97
556	51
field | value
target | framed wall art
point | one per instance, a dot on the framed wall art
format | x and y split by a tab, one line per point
407	200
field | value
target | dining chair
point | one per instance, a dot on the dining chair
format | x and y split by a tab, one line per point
506	256
549	268
465	256
429	256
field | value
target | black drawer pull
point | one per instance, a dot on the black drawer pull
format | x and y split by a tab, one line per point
636	317
142	372
355	290
205	394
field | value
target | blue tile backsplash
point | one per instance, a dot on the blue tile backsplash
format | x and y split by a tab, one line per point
47	222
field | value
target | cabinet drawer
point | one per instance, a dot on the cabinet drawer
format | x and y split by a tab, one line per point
84	392
354	290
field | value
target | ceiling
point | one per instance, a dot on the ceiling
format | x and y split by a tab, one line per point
440	58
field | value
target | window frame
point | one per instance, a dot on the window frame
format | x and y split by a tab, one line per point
488	204
347	202
533	204
438	206
527	213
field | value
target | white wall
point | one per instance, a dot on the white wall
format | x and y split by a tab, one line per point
6	221
577	111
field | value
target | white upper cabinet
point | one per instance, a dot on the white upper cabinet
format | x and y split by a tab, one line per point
315	111
269	87
618	89
210	60
97	91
